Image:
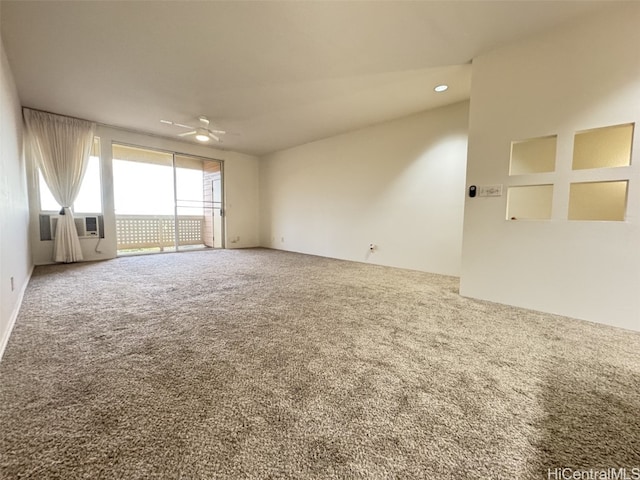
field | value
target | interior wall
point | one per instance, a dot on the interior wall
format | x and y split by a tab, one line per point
15	256
240	177
568	80
398	185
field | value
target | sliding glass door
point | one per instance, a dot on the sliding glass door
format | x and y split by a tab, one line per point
198	202
166	201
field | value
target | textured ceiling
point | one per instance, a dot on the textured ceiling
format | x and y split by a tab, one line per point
274	74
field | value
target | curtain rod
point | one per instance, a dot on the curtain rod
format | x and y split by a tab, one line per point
126	129
58	114
87	120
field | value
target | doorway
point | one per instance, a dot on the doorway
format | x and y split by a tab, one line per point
166	201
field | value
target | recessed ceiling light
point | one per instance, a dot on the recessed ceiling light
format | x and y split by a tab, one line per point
441	88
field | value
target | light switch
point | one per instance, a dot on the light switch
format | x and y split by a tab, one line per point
490	191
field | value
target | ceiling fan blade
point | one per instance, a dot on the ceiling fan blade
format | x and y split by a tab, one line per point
168	122
221	132
187	133
217	139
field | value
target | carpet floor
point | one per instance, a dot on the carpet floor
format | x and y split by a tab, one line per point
261	364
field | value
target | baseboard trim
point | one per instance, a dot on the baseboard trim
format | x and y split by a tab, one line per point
14	315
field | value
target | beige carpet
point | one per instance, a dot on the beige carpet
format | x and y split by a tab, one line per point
263	364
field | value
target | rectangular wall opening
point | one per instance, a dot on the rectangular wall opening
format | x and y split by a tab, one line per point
529	202
603	201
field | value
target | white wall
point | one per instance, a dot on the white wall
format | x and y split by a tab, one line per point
399	185
583	76
15	257
240	190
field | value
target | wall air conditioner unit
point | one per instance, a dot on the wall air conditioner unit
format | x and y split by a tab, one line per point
90	226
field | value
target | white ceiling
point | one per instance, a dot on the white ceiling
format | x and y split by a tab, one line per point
274	74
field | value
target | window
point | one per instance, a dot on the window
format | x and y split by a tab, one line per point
89	198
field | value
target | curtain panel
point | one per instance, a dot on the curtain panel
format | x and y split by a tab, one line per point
60	147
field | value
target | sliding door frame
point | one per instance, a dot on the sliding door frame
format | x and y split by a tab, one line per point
222	203
173	153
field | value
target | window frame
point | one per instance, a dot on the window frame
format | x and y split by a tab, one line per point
40	184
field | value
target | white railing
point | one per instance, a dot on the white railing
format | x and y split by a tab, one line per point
152	231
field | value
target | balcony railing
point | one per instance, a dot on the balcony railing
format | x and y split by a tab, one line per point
158	231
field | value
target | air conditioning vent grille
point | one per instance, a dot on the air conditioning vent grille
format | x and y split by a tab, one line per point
87	227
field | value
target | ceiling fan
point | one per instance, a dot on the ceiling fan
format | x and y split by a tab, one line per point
203	133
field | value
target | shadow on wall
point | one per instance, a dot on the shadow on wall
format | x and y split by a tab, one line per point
590	422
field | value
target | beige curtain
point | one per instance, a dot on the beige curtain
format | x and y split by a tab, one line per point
61	147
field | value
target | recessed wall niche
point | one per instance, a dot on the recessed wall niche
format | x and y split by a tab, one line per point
529	202
605	147
534	155
604	201
591	197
